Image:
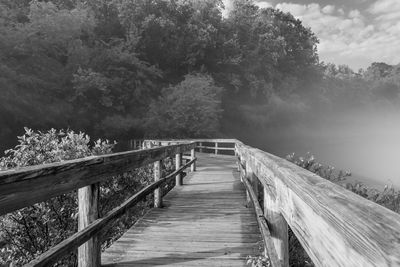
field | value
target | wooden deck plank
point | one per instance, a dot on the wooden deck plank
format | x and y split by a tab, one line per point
203	223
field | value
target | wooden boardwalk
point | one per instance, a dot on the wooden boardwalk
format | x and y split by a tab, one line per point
203	223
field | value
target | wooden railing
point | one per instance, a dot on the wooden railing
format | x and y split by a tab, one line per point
217	146
25	186
335	226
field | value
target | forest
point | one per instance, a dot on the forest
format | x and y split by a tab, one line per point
127	69
132	69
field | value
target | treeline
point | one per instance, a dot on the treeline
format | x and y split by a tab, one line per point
123	69
126	69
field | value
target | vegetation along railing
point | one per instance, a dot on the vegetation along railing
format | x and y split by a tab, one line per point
25	186
335	226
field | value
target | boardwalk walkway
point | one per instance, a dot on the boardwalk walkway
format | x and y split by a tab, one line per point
203	223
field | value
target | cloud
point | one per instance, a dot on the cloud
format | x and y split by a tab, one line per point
329	9
356	38
263	4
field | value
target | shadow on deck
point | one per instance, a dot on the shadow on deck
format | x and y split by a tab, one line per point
203	223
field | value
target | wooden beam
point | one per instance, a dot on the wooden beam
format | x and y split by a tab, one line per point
278	227
266	235
335	226
217	148
88	206
248	176
193	156
178	164
157	191
74	241
25	186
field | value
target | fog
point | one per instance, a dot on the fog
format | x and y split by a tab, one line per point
362	140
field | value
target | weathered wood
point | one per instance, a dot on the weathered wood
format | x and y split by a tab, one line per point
88	206
157	191
25	186
267	238
178	163
278	228
203	224
248	176
77	239
193	156
217	148
335	226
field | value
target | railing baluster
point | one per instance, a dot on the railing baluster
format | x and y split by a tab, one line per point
249	176
277	226
216	148
192	156
157	191
88	205
178	164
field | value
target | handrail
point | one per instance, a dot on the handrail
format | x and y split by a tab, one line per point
335	226
74	241
28	185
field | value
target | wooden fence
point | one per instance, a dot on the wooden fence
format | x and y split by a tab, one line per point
335	226
25	186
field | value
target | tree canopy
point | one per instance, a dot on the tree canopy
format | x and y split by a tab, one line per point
106	67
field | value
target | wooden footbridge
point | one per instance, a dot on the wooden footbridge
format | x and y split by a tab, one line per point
217	215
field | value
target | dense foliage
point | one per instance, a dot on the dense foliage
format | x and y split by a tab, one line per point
99	65
28	232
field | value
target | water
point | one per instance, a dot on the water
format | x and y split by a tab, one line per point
365	142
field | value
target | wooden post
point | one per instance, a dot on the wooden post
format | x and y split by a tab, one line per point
157	191
249	176
192	156
200	149
178	164
216	148
277	226
88	199
237	159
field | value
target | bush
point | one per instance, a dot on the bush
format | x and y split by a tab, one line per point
31	231
28	232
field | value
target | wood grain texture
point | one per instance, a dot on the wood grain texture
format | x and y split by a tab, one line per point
157	191
25	186
88	207
204	223
193	156
178	163
335	226
77	239
267	238
278	227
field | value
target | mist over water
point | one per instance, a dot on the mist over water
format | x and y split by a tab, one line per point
362	140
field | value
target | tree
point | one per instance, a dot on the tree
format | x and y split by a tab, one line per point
189	109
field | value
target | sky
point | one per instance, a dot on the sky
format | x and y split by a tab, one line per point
351	32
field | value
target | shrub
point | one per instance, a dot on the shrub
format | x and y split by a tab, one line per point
31	231
28	232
